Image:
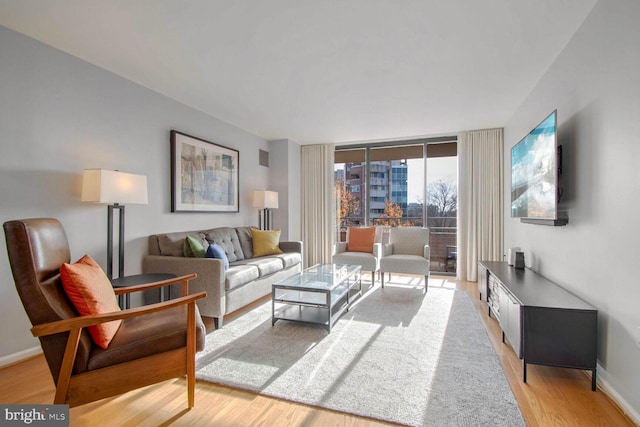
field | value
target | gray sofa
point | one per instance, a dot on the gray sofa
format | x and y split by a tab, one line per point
247	278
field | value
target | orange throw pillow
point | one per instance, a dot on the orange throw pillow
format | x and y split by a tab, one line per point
91	292
361	239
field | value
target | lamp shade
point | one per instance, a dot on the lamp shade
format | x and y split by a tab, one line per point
264	199
106	186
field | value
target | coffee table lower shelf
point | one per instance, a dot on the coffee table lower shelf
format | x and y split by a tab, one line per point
316	297
308	314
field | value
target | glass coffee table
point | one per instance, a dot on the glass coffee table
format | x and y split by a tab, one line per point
318	295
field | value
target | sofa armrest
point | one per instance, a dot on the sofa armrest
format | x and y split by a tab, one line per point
210	278
291	246
427	252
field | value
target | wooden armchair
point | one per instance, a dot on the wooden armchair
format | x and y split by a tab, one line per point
154	343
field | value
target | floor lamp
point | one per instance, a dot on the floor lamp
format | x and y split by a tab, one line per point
265	200
116	189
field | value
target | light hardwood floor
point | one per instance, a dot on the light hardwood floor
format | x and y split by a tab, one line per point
551	397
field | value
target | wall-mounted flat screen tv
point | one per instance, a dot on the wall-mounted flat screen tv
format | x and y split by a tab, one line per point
534	172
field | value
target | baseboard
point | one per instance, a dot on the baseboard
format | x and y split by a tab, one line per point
21	355
606	387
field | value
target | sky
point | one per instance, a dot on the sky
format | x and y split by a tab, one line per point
438	168
445	168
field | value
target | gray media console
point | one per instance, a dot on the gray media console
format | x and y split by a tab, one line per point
543	323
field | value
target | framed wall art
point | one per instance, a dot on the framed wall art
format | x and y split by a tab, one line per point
204	175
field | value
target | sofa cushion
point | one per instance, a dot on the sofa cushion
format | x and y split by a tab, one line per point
239	274
366	260
266	265
172	244
147	335
246	242
227	238
289	259
408	264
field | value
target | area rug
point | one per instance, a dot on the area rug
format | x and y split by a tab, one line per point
398	355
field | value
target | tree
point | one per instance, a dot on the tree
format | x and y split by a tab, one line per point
392	216
348	204
442	198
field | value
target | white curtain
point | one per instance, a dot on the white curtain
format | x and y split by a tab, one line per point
480	204
318	203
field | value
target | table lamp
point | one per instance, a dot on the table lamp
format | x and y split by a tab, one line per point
265	200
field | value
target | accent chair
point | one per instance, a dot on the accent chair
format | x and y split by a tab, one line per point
408	252
153	343
355	252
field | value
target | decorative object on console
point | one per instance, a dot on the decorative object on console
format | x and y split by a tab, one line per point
519	261
116	189
511	257
265	201
204	175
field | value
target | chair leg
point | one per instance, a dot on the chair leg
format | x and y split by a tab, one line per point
382	279
217	322
191	354
191	389
426	284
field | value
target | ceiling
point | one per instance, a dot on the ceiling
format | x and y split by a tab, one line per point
319	71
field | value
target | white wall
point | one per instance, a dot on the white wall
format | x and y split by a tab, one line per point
284	177
60	115
294	190
595	86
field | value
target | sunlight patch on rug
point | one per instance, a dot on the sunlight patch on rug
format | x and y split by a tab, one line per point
398	355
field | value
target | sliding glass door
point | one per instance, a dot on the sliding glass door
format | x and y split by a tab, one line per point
442	212
410	184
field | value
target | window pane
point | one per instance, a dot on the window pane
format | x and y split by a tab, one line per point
349	185
396	186
442	202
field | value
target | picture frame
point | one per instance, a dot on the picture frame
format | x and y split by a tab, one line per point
204	175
